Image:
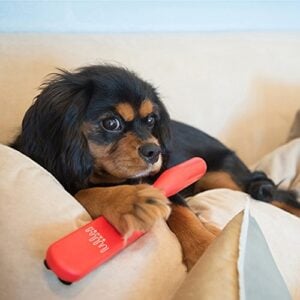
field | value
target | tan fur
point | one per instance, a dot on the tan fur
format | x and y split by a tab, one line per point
126	111
286	207
146	108
192	234
100	177
137	207
121	162
214	180
127	207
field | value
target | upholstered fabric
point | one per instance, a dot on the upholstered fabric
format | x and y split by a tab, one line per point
36	211
275	234
226	84
280	229
242	88
259	276
215	275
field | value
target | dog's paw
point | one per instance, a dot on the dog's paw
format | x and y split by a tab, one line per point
137	209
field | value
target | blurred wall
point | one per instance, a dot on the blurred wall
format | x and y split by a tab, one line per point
148	16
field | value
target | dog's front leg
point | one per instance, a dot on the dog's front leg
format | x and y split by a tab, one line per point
192	234
127	207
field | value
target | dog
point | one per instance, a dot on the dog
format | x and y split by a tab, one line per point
104	133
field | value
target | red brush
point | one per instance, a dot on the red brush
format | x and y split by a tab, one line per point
80	252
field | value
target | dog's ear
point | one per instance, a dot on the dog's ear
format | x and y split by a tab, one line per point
162	131
51	130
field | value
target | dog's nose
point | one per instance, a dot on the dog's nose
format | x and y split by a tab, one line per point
150	152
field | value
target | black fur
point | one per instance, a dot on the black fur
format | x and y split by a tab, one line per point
188	142
51	131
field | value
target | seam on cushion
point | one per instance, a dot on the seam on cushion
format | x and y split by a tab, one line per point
242	250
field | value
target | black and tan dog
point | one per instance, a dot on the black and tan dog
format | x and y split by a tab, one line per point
105	135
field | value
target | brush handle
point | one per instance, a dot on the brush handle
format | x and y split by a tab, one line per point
86	248
177	178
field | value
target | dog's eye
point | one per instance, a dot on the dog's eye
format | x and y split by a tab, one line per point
111	124
150	121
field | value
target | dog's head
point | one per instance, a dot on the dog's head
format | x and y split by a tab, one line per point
101	124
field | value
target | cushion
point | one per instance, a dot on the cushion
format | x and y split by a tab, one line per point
215	275
261	263
279	229
36	211
283	165
295	129
259	276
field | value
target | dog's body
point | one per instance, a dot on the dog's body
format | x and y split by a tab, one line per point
101	131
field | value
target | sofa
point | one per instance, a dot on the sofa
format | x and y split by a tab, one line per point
241	88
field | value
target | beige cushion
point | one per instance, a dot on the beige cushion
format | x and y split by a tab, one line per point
215	275
280	229
283	165
36	211
295	129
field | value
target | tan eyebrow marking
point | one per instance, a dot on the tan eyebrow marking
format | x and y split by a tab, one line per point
125	110
146	108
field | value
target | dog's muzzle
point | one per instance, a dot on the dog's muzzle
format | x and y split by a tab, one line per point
150	153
